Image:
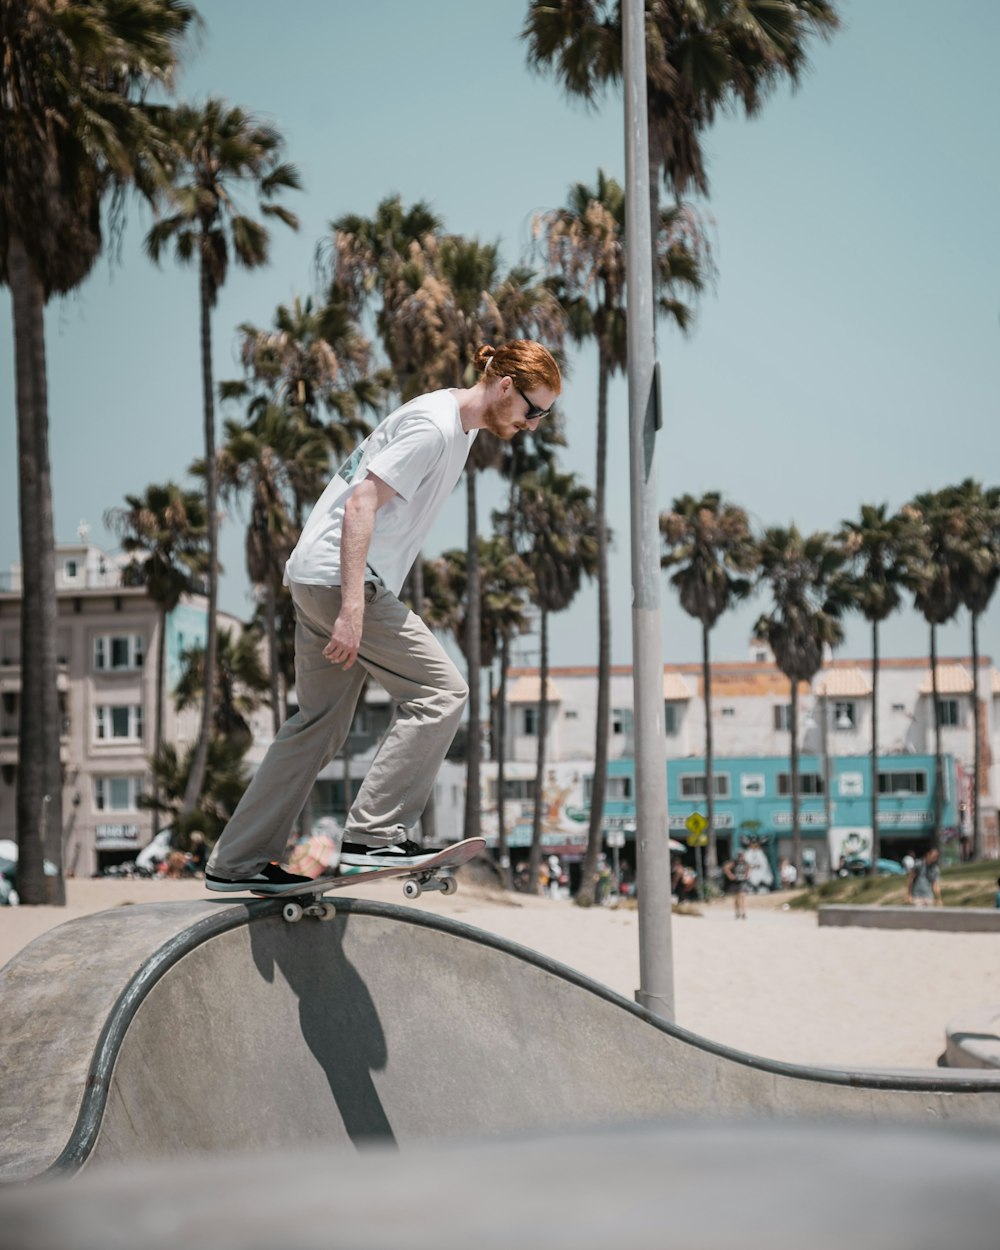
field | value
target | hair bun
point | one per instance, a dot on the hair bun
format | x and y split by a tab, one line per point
485	355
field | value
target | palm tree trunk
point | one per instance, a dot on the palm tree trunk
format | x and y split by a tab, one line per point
503	849
161	663
588	883
796	832
876	841
977	762
712	865
271	624
473	644
938	761
196	778
428	817
535	858
39	774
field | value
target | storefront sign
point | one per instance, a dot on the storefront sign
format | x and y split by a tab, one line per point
117	833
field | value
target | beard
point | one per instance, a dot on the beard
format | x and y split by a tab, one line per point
498	420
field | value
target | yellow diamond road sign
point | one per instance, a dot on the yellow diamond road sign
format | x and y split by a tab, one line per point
696	824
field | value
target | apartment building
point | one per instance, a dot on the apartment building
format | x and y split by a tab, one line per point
108	640
751	719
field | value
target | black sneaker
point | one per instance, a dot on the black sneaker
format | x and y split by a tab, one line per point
405	853
271	879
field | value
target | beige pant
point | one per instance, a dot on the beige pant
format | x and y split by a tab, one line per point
401	653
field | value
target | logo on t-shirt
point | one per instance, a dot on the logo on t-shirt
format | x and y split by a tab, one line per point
349	468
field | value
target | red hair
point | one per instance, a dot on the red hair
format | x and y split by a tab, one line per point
524	360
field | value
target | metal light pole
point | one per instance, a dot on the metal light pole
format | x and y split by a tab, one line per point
656	977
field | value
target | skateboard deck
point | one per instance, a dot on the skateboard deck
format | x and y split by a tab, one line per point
431	874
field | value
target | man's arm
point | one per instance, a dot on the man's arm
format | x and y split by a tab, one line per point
359	524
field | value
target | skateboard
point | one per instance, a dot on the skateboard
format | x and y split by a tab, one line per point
432	874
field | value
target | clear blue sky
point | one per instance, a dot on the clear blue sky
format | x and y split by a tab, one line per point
849	351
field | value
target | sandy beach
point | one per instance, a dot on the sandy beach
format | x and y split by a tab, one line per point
776	984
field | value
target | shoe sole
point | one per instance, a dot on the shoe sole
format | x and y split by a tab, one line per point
257	887
393	861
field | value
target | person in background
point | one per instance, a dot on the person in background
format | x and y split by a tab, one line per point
737	874
924	884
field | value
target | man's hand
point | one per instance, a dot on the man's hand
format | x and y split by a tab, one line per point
345	640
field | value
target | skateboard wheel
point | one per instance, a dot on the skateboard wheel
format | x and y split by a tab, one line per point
448	885
292	912
411	889
329	912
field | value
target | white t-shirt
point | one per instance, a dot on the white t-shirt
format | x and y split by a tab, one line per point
420	451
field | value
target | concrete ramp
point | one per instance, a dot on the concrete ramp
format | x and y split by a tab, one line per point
160	1030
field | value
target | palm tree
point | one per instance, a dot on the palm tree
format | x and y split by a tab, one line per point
979	575
73	131
505	584
313	360
459	301
808	600
219	152
932	573
164	531
711	545
273	459
557	539
527	455
372	264
225	780
241	683
585	247
371	267
875	546
700	60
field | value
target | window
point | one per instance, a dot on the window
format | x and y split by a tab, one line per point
621	720
902	783
118	722
118	652
71	568
530	728
619	788
851	785
809	783
693	786
752	785
844	715
517	788
571	713
671	719
116	794
728	711
948	712
783	716
899	707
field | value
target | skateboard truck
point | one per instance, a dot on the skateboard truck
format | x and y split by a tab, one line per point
414	886
293	911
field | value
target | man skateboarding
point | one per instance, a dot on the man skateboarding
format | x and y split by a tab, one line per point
345	576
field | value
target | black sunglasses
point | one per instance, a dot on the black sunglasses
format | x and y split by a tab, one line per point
533	413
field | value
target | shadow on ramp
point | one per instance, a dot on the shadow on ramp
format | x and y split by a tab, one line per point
337	1017
165	1029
